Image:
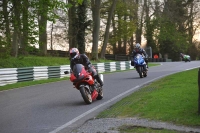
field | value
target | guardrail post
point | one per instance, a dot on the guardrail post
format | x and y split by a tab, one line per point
199	91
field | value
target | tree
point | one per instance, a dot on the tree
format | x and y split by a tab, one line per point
6	21
82	25
24	42
150	24
42	22
106	35
139	19
72	31
5	44
17	27
96	27
123	27
173	36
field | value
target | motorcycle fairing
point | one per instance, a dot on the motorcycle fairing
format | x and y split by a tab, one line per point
80	74
139	60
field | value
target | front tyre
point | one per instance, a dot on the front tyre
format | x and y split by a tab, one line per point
86	95
139	70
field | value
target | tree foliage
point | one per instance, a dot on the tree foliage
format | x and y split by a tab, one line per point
168	26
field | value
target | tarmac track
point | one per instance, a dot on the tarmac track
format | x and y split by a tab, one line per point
59	108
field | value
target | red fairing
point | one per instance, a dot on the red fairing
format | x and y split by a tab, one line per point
72	77
83	72
89	80
94	95
87	77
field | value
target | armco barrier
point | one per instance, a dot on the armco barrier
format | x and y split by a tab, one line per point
13	75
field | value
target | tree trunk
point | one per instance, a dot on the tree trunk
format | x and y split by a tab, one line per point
51	37
119	44
125	37
106	35
7	23
96	20
139	27
16	24
190	23
24	43
72	31
81	26
43	9
114	34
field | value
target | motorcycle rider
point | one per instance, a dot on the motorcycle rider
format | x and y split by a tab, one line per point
139	50
76	57
182	55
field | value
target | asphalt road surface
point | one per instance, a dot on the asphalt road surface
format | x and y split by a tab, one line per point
59	108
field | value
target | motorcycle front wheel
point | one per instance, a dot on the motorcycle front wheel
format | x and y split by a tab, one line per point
139	70
86	95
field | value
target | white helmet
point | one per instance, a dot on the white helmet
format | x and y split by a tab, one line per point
137	45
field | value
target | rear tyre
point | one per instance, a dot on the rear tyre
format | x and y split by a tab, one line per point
145	74
86	95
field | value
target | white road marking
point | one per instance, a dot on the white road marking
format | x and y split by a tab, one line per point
91	110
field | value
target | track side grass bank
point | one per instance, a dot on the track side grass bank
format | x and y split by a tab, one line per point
171	99
30	61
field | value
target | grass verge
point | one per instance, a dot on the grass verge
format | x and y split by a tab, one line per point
137	129
30	83
171	99
31	61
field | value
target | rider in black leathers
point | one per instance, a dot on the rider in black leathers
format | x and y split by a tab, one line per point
182	55
76	57
139	50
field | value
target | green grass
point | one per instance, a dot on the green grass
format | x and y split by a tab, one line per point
172	99
31	61
138	129
30	83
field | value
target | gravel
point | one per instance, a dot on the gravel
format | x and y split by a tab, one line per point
110	125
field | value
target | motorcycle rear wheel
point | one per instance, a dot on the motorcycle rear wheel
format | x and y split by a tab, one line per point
145	74
86	95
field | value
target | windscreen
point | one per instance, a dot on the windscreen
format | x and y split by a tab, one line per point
138	59
77	69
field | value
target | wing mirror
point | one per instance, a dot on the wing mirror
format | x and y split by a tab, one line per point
66	72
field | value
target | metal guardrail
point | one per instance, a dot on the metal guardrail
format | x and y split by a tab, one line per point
13	75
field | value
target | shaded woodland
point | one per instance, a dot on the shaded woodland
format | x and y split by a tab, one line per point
99	27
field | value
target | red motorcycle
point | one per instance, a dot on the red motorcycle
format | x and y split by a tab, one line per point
89	88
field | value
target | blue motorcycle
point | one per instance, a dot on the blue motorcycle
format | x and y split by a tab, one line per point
140	65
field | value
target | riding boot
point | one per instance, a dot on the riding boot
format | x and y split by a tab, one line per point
145	68
93	87
146	60
98	79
